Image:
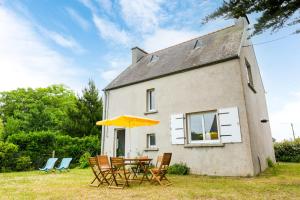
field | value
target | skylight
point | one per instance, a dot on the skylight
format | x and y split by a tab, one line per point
154	58
198	44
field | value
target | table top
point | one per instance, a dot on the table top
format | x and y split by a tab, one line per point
138	159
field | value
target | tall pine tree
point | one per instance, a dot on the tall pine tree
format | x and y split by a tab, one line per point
87	112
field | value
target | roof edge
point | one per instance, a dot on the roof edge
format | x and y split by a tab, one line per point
176	72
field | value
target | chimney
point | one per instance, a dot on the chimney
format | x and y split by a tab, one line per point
137	54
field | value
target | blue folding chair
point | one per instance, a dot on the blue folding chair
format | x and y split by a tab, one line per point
49	165
64	164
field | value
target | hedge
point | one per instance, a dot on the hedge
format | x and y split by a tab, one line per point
288	151
37	147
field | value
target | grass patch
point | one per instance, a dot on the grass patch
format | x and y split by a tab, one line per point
280	182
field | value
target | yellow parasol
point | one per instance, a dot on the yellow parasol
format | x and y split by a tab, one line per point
128	121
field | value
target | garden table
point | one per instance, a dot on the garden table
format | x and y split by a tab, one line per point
141	163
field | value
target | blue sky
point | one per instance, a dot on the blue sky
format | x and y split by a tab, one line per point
47	42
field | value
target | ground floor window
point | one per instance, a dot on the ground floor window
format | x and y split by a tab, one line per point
203	127
151	140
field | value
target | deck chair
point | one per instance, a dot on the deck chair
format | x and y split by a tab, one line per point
118	173
159	174
49	165
64	164
104	169
95	169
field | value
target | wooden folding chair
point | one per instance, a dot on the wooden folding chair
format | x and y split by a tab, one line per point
95	169
118	169
138	167
158	161
104	168
159	174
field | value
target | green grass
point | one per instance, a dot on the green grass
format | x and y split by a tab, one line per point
281	182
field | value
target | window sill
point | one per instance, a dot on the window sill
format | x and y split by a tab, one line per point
150	112
203	145
151	149
251	87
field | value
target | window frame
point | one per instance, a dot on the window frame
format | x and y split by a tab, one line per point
150	95
149	146
204	141
250	75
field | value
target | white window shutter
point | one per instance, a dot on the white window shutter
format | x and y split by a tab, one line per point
177	128
230	131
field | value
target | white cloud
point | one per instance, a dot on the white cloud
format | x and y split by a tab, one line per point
64	41
281	120
84	24
106	4
109	31
26	61
142	15
163	38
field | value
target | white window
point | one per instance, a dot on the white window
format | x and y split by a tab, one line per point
150	100
203	127
154	58
151	140
198	44
249	74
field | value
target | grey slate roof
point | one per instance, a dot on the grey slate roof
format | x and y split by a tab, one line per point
214	47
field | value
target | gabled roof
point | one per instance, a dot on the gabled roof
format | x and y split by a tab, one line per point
212	48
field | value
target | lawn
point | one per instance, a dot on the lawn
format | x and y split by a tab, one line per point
282	182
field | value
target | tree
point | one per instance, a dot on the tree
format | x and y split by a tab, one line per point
25	110
87	112
275	14
1	130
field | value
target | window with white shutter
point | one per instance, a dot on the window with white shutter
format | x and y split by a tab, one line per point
203	127
229	125
177	128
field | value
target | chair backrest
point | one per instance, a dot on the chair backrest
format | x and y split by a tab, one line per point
117	162
50	163
65	162
158	161
165	162
103	161
92	162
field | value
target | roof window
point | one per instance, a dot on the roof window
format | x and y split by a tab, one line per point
154	58
198	44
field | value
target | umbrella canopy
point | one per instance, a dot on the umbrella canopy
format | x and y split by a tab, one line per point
128	121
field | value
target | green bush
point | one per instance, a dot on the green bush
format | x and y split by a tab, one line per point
179	168
23	163
84	160
40	145
288	151
270	163
8	152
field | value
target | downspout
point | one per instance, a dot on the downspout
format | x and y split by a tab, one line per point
104	116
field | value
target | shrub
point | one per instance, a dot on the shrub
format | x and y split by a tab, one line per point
84	160
288	151
23	163
38	146
8	153
179	168
270	162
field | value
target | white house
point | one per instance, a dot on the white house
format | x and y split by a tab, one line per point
209	97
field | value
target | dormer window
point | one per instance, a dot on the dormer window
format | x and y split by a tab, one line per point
154	58
198	44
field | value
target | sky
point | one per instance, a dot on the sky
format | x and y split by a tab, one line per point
69	42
